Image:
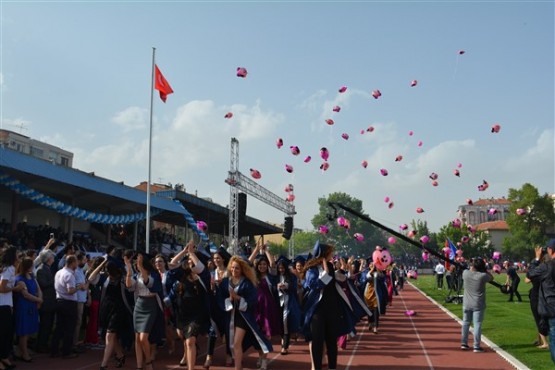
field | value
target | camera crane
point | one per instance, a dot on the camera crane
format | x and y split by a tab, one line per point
459	267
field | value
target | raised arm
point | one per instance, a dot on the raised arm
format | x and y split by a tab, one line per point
176	260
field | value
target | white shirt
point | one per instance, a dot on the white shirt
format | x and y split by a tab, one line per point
63	281
6	299
440	269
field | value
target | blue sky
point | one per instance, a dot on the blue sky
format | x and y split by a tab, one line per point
77	75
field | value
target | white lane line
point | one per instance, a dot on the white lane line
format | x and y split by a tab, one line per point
500	351
353	351
428	359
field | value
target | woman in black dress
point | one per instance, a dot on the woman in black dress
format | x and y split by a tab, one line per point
192	313
114	313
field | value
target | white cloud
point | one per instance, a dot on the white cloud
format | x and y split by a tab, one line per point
132	118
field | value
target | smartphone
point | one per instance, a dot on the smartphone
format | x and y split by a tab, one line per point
51	235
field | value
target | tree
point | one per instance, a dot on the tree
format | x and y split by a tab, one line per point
530	229
343	239
304	241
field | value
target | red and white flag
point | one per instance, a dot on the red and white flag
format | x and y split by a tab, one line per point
161	84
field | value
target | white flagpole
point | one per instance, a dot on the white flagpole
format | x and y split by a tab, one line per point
147	221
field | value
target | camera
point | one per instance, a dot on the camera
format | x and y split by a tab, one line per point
544	250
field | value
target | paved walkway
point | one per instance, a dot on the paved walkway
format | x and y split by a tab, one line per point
429	340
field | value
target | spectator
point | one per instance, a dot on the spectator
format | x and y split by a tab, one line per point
26	307
474	302
47	310
546	303
82	298
8	264
512	281
440	271
66	308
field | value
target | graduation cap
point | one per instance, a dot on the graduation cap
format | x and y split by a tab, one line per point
224	254
283	260
300	259
318	249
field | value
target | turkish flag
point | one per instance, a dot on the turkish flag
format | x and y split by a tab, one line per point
161	84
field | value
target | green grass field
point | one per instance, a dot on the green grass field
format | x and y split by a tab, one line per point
509	325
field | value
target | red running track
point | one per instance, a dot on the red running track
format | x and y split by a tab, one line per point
430	340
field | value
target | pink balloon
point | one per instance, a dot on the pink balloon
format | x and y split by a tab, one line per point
345	136
403	227
384	172
435	183
419	210
399	158
255	174
337	108
359	237
324	166
390	205
496	128
323	229
521	211
456	223
457	173
411	133
342	89
497	269
424	239
241	72
295	150
289	168
413	83
386	199
330	122
279	143
324	154
291	197
382	258
289	188
307	159
201	225
364	163
425	256
228	115
370	129
341	221
411	234
391	240
376	94
420	143
496	255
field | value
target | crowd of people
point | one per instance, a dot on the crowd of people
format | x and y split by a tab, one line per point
125	301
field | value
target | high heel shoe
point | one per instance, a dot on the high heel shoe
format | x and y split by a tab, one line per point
120	361
207	363
264	364
183	362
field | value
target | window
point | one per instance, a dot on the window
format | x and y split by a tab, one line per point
64	161
37	152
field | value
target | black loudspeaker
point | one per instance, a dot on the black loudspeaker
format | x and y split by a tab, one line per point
287	227
242	204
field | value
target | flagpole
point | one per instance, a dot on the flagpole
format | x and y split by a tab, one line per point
147	223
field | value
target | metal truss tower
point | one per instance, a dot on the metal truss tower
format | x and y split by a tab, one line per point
239	182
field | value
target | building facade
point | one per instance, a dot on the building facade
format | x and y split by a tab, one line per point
35	148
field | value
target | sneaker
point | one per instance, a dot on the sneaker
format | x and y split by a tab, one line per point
464	347
478	350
